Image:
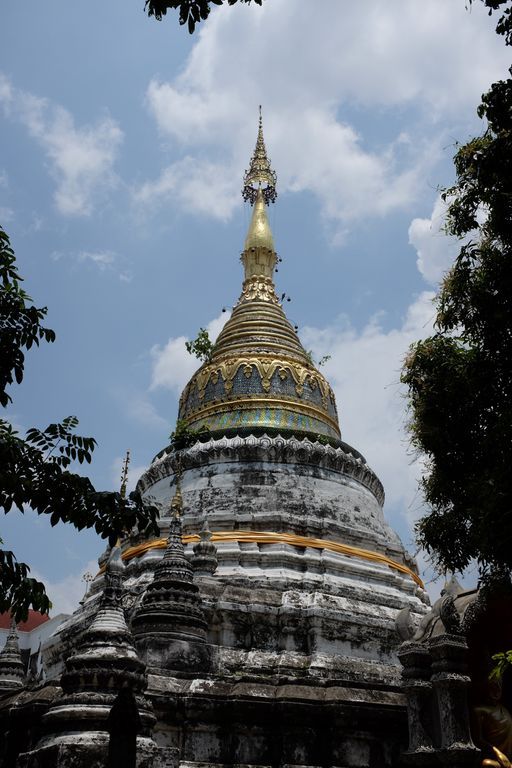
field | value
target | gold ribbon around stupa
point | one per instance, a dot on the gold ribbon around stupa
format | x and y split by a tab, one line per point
271	537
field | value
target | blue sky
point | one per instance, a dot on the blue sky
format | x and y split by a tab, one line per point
124	142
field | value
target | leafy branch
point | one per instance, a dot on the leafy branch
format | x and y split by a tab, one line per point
183	436
201	347
318	363
20	321
191	11
35	471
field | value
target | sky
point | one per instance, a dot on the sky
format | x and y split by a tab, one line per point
123	145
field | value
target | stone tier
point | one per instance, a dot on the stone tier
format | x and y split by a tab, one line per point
344	460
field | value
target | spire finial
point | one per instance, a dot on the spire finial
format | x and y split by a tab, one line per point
260	173
177	499
124	475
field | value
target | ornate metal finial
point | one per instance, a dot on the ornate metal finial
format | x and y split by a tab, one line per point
260	175
177	499
124	475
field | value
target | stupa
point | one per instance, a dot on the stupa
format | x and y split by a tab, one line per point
265	611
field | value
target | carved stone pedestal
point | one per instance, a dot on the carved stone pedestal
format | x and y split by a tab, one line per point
416	662
435	680
450	683
91	750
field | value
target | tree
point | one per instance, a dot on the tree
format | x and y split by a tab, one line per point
460	379
194	11
191	11
201	347
35	471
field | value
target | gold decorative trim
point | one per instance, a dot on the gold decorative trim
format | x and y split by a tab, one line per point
270	537
266	368
245	403
258	288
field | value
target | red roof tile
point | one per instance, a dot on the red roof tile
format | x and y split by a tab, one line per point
35	619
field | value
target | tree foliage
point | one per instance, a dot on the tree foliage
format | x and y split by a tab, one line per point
35	470
20	321
504	25
191	11
460	379
201	347
183	435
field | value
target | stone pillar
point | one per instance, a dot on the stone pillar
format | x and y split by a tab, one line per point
450	683
416	662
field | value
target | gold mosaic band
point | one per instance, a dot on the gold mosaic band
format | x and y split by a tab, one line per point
269	537
264	403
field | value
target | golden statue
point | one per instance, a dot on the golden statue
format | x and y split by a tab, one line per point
501	761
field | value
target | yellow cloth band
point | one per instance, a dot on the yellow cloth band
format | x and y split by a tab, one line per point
269	537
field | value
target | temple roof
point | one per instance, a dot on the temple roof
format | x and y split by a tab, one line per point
259	376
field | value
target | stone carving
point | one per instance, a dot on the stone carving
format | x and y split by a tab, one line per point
404	624
204	560
449	616
428	622
103	679
12	671
450	682
171	605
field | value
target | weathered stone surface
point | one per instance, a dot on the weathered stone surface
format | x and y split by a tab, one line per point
12	671
92	751
299	664
279	648
169	622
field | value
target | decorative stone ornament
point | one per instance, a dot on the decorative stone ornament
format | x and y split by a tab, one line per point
102	715
435	681
204	560
12	670
171	605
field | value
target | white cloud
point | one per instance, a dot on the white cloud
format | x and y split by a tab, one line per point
199	186
66	593
172	364
143	411
6	214
364	371
6	95
312	71
81	158
102	259
436	250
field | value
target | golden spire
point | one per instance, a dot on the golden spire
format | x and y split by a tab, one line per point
259	234
260	172
259	376
124	475
259	256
